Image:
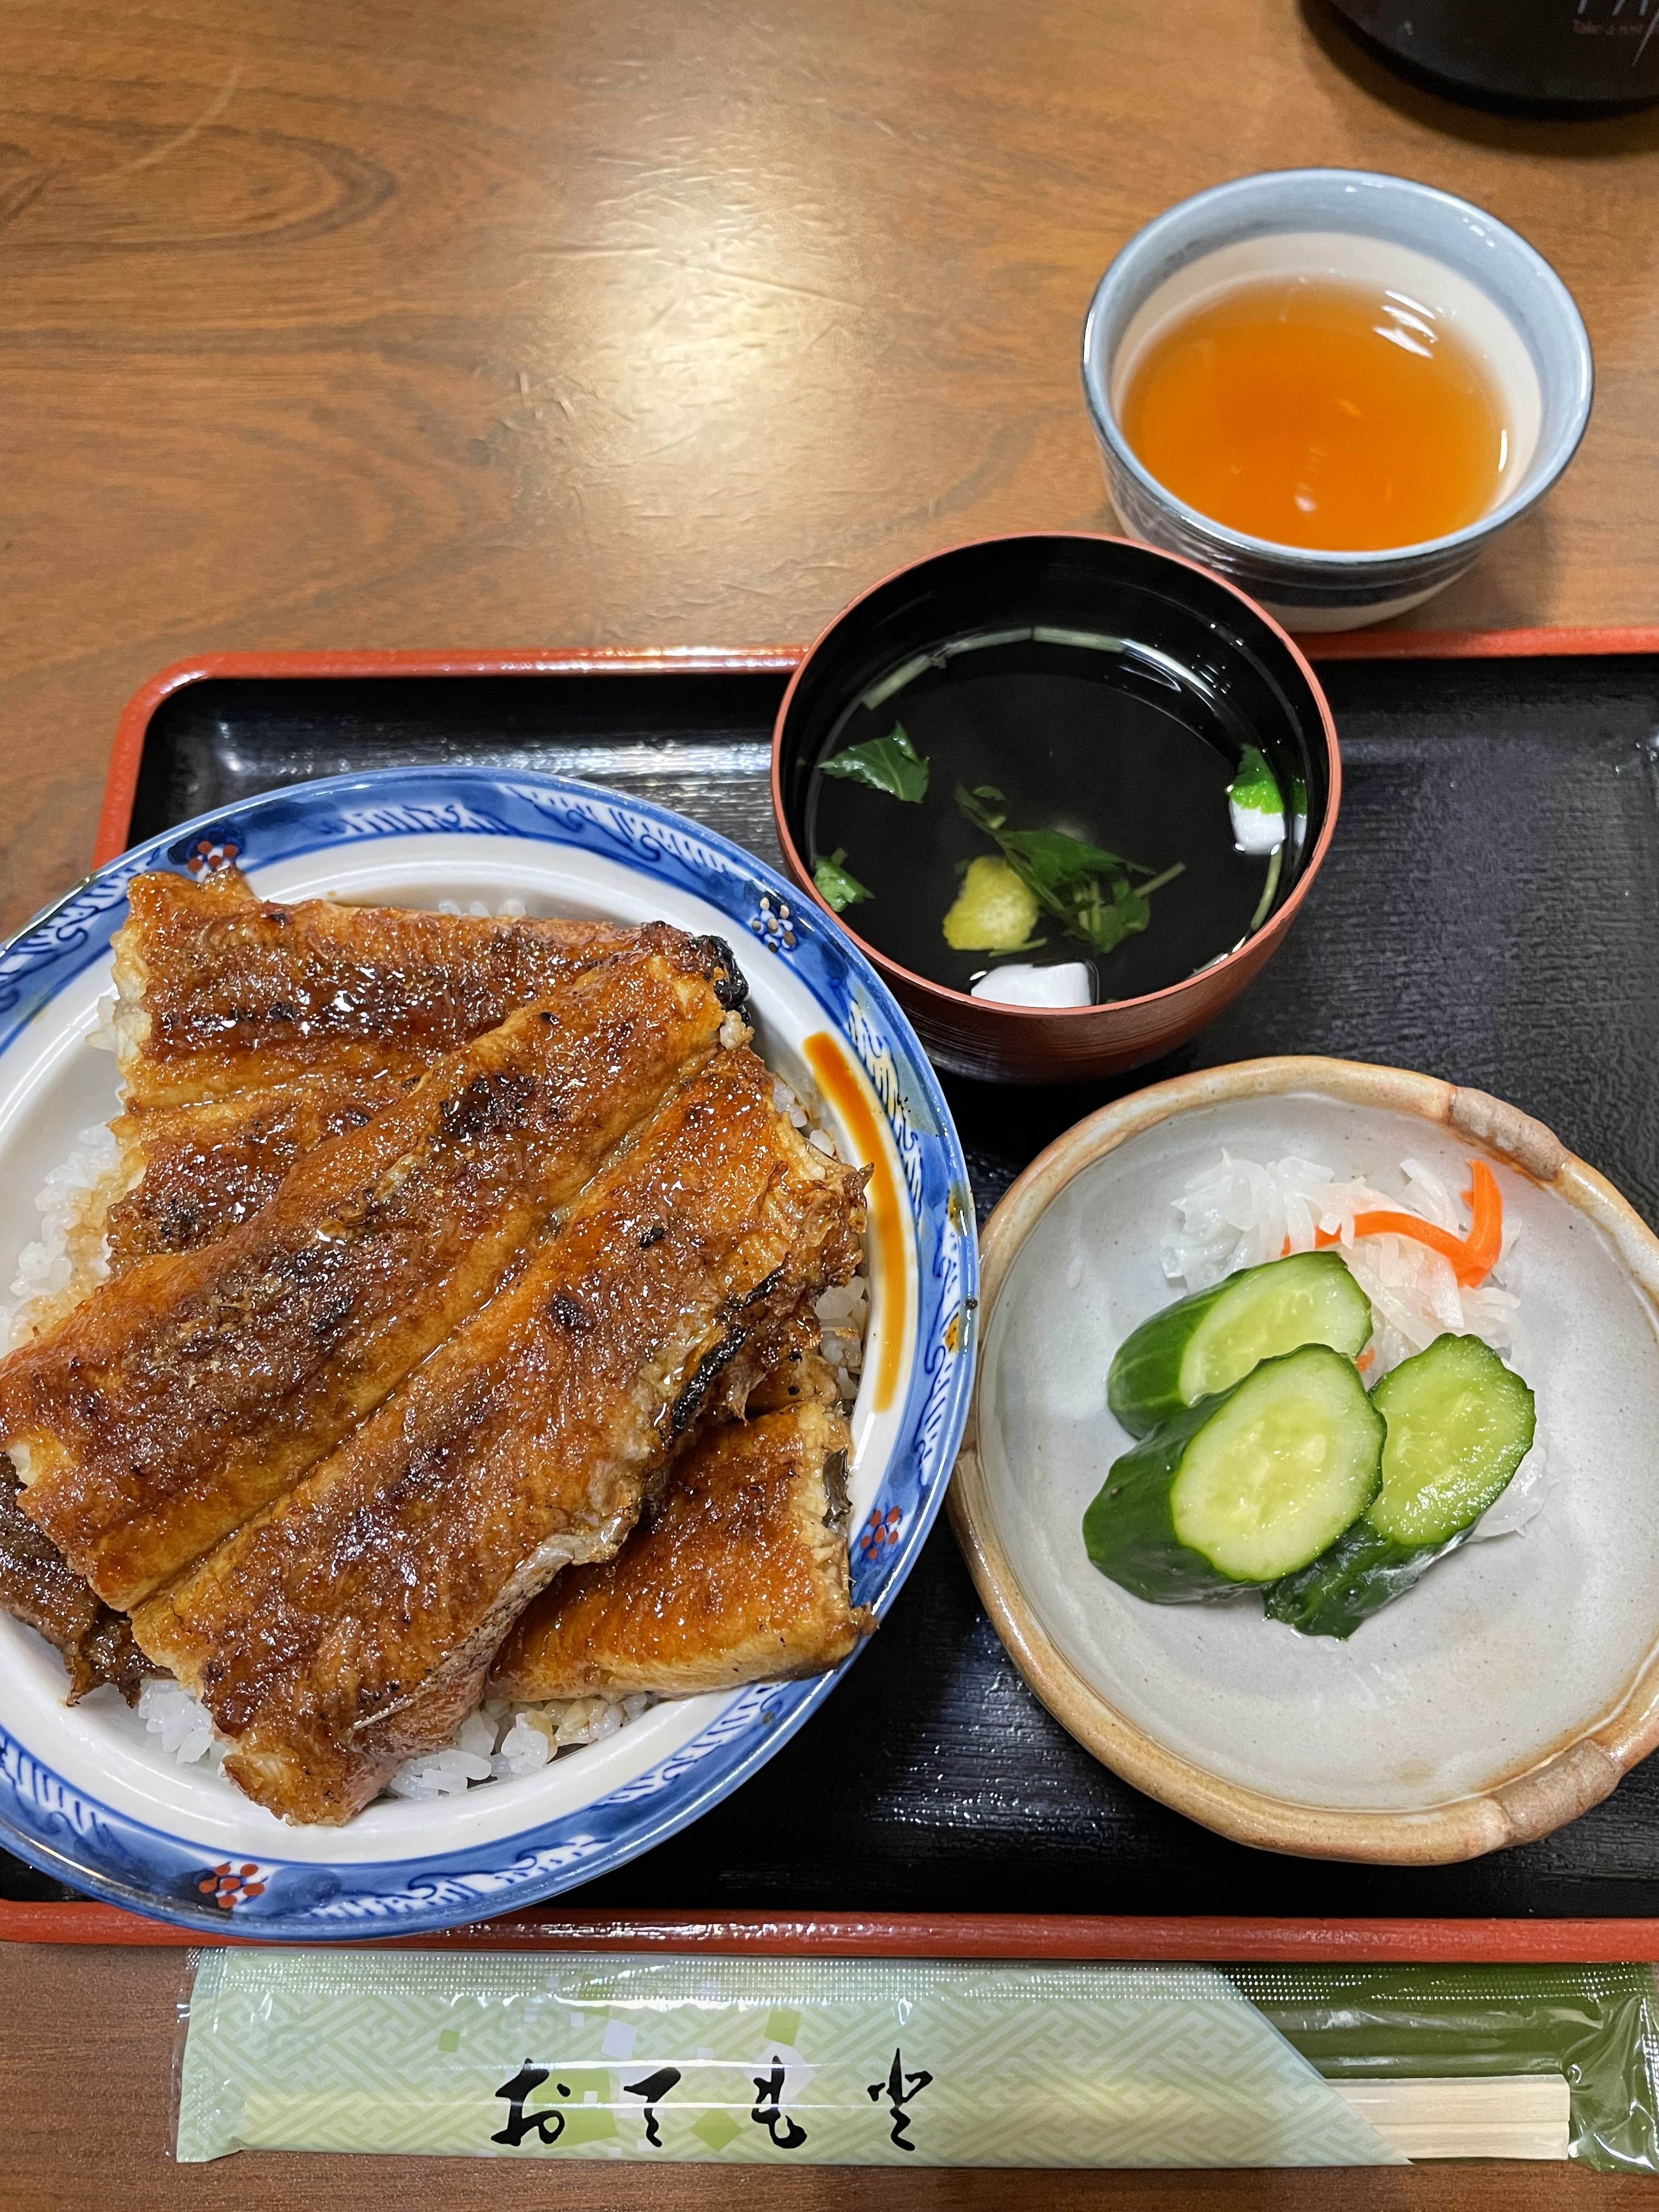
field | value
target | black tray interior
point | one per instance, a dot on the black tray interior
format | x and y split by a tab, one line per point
1489	911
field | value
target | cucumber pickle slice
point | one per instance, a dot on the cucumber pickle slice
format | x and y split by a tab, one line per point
1203	1344
1243	1488
1460	1422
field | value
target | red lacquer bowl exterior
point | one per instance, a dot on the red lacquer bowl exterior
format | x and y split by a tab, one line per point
972	1036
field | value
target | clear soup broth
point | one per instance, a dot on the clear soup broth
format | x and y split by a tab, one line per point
1110	748
1321	413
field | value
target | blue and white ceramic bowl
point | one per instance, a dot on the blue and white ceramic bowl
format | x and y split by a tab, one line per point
1472	273
87	1794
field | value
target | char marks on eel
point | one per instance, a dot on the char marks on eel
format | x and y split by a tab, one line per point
184	1395
352	1623
220	991
189	1174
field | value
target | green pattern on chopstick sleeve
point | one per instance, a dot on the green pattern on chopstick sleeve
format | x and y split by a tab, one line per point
851	2061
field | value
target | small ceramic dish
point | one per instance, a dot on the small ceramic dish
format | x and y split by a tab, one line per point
1060	585
1504	1695
1472	272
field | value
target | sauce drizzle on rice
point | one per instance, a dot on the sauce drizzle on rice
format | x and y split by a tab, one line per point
846	1092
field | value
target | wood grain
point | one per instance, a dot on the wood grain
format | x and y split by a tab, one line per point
507	324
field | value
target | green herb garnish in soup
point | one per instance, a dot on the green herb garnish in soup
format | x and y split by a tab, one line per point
891	764
1066	807
837	886
1087	889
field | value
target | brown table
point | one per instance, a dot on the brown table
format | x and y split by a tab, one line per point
605	321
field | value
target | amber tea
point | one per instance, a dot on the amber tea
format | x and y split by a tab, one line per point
1316	412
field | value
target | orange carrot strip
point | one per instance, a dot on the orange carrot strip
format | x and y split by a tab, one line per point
1366	1357
1469	1263
1407	1225
1485	1239
1472	1258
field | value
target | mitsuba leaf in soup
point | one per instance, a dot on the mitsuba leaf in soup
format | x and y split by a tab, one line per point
889	764
837	886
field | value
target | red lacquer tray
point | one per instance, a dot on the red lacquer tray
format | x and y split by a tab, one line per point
689	728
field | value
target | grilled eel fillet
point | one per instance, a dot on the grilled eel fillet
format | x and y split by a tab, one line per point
350	1625
189	1174
218	991
184	1395
740	1576
39	1586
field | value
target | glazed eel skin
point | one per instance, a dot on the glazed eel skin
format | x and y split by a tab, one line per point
39	1586
219	991
181	1396
279	1026
189	1174
351	1624
738	1575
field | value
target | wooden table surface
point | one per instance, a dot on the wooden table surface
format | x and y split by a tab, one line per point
498	323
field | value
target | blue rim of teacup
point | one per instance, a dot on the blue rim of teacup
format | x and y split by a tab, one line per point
1315	561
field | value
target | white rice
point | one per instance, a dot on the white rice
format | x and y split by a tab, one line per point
505	1742
183	1723
1239	1212
845	1315
500	1743
71	1252
845	1310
